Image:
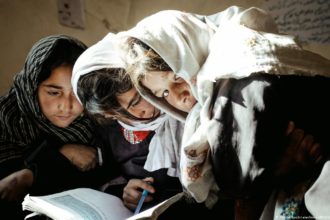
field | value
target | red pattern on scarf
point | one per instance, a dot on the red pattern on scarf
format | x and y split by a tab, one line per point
134	137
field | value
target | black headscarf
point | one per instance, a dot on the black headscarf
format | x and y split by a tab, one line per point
23	125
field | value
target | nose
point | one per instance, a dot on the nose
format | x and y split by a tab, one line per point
66	103
178	95
146	109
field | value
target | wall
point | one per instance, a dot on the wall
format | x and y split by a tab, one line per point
23	22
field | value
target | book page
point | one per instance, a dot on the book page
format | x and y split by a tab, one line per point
81	203
153	212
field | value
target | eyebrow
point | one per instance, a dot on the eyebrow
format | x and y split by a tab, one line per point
52	86
132	100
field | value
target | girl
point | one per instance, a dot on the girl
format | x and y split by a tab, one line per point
139	138
103	87
225	78
45	140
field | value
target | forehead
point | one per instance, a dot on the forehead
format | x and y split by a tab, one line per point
157	76
60	76
126	97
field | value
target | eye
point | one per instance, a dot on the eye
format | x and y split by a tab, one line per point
53	93
165	93
136	101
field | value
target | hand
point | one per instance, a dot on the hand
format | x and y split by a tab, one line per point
15	186
301	152
82	156
133	190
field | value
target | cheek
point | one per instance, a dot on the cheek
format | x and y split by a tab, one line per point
173	101
146	106
47	106
77	108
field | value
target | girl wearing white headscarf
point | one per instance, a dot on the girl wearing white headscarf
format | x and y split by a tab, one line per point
244	77
142	145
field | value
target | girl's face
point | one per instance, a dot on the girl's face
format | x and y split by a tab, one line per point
56	98
172	88
136	105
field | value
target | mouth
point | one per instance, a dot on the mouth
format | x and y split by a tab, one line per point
189	103
155	113
63	117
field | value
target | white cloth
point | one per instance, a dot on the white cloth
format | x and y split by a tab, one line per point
187	39
317	198
196	46
104	54
164	147
164	151
149	126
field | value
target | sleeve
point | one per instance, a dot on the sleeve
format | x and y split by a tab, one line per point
53	172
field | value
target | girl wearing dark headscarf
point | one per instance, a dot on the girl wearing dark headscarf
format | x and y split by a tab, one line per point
45	141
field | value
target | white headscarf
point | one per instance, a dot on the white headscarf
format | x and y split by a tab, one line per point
183	41
104	54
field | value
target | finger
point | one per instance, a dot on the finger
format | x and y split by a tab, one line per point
290	127
149	180
316	152
131	194
147	184
319	159
295	138
3	195
131	206
129	199
148	187
307	144
93	164
149	198
315	149
133	183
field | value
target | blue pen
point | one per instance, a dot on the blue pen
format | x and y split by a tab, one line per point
139	206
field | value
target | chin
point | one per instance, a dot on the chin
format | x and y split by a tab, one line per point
189	107
62	124
156	112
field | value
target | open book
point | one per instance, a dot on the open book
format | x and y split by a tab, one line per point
88	204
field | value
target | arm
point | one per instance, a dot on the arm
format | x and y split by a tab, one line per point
53	172
15	186
301	154
83	157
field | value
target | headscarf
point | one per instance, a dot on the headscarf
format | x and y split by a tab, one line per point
23	125
222	45
201	49
182	40
103	54
107	54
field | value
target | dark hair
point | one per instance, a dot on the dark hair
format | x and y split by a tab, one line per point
64	53
98	93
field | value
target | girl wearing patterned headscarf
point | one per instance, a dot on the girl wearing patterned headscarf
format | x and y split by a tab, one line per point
41	124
